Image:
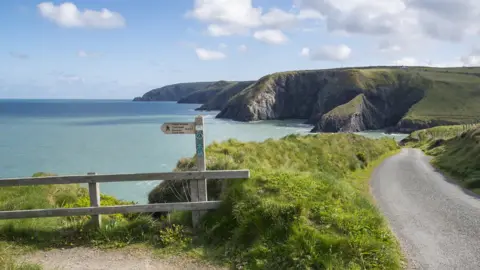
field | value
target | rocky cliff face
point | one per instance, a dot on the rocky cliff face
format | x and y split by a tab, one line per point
276	97
333	100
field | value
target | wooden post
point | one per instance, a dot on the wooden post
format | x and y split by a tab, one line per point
94	192
198	188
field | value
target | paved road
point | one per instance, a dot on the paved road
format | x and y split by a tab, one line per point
437	223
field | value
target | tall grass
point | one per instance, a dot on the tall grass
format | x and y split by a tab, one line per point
304	207
301	209
456	151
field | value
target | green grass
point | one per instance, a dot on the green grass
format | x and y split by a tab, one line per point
456	151
451	95
348	108
23	235
306	205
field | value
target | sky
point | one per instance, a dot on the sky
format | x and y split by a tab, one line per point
119	49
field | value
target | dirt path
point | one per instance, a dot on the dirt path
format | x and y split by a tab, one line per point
96	259
436	222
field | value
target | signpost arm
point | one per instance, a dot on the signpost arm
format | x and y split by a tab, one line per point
198	188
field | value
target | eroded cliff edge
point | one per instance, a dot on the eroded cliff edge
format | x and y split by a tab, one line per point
352	100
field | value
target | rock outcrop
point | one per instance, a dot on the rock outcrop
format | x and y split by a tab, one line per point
346	100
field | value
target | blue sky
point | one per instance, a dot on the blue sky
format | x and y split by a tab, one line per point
123	48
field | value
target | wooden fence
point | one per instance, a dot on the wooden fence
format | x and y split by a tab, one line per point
197	181
95	209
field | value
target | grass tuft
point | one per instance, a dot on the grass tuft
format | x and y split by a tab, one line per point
456	151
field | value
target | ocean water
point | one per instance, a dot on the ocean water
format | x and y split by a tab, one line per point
69	137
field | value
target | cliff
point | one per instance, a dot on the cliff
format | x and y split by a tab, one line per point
213	95
222	97
173	92
355	99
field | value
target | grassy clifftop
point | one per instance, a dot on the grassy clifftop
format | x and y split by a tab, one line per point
455	150
222	97
173	92
405	98
306	205
214	95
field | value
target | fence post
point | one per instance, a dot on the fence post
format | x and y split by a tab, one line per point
198	188
94	192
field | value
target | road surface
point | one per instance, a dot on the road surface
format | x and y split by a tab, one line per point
436	222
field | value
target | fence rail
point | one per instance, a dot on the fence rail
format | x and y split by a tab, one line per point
95	209
107	210
99	178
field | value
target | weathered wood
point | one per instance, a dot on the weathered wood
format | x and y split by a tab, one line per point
199	187
94	192
57	180
108	210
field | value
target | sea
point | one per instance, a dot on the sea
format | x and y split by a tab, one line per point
74	137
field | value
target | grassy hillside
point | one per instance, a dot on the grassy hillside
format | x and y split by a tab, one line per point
456	151
173	92
204	95
408	98
221	98
306	205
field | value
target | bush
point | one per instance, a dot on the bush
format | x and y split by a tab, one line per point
174	235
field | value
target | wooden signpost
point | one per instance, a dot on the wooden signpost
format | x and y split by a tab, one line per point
198	188
178	128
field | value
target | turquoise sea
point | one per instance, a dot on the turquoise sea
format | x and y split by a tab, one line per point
70	137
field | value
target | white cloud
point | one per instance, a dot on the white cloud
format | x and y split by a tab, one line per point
277	18
226	17
448	20
406	61
307	14
472	59
70	78
388	46
69	16
84	54
222	46
19	55
242	48
238	17
204	54
271	36
217	30
305	52
412	61
328	53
